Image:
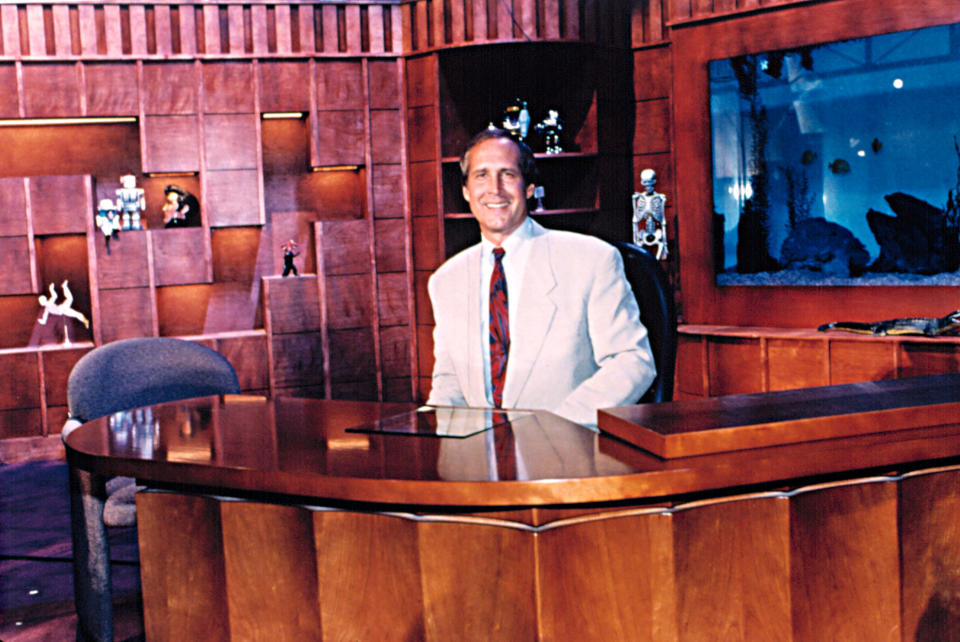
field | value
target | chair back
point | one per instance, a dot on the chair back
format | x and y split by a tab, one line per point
654	295
130	373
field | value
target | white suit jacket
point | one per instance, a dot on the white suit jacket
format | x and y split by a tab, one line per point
576	341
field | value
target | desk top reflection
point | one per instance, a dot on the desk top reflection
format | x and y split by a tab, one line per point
310	448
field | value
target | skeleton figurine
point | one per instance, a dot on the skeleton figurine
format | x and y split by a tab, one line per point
130	202
649	221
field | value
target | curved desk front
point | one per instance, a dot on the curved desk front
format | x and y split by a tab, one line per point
269	519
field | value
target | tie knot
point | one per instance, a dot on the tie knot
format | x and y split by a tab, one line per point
498	253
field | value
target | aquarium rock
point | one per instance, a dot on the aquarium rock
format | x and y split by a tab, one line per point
917	239
818	245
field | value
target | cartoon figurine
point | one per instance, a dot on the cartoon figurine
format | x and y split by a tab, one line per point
108	221
649	221
550	128
538	193
181	209
289	252
130	202
65	309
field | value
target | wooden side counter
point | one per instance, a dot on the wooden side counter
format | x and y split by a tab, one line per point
268	519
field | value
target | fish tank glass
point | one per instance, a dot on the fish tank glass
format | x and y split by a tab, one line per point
839	163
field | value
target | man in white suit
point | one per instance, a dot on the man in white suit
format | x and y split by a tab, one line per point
576	343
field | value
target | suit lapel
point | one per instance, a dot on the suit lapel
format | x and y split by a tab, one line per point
530	324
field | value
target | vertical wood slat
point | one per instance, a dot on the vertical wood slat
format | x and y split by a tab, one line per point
572	17
458	28
163	30
400	26
306	28
87	19
188	29
11	30
138	30
353	29
62	38
284	31
331	29
551	19
211	29
504	21
36	35
420	25
236	35
480	26
376	26
258	18
526	16
438	26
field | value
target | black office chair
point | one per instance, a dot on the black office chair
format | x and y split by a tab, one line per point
116	377
657	312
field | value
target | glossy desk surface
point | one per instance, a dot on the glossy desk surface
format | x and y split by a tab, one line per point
301	447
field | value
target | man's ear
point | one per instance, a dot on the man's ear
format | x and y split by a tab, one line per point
466	193
530	189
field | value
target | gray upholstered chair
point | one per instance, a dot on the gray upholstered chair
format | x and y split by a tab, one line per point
657	312
115	377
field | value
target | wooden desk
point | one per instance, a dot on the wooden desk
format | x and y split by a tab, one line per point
275	522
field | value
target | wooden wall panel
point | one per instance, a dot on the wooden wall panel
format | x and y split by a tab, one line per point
393	297
427	251
395	357
170	144
170	88
293	304
845	571
233	197
111	89
390	247
248	356
340	85
24	422
231	141
15	265
386	136
60	204
13	206
423	189
22	381
345	247
922	358
384	84
127	265
692	366
388	191
340	138
284	86
349	300
352	355
228	88
297	359
180	536
51	90
178	256
57	365
126	313
182	309
422	131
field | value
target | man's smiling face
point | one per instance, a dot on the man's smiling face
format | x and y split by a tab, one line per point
495	188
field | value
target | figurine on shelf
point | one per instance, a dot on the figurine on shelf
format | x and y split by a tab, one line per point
516	119
65	309
108	221
549	128
289	253
181	209
538	193
649	220
130	202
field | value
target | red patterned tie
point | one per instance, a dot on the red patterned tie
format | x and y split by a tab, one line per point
499	328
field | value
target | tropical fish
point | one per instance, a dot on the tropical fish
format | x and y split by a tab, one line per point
839	166
808	156
876	145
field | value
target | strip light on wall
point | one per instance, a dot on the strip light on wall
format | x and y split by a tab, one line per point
93	120
335	168
282	115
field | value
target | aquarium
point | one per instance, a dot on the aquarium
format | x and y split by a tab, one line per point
839	163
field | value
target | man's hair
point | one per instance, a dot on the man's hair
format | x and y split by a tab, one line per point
528	165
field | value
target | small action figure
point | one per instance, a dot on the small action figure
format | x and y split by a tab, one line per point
130	202
538	193
516	120
108	221
550	128
65	309
649	221
181	209
289	252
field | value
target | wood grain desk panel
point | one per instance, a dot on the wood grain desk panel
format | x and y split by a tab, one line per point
270	517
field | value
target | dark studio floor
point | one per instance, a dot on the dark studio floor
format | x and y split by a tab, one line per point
36	572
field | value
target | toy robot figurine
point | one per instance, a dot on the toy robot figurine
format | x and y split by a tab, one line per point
130	202
649	220
108	220
289	253
549	128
